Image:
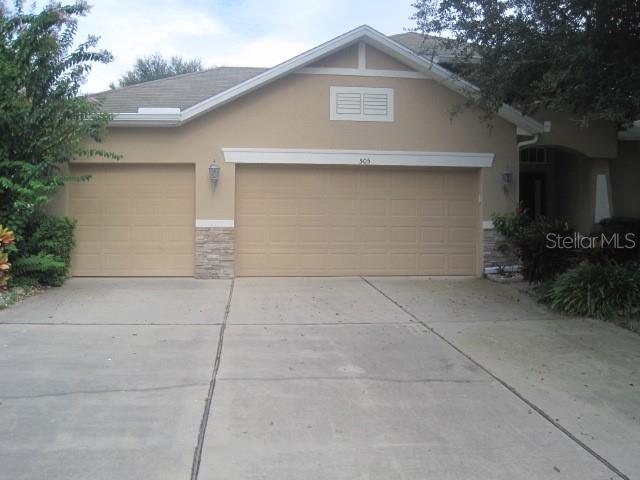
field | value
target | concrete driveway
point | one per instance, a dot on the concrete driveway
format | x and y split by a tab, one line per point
312	378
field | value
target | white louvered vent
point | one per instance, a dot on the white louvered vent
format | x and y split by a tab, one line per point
362	104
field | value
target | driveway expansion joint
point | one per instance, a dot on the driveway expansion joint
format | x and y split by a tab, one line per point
111	324
197	455
506	385
350	379
102	392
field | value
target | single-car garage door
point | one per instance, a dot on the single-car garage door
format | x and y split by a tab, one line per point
133	220
310	220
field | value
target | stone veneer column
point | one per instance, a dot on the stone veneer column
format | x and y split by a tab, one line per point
214	252
491	257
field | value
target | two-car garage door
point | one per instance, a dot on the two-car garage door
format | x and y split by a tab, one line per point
321	220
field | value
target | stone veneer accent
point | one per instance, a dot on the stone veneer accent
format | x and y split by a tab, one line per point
214	252
490	255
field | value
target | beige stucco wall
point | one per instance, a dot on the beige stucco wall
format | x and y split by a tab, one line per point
345	58
381	61
294	113
625	180
598	140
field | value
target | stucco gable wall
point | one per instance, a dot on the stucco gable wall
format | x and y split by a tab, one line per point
381	61
294	113
345	58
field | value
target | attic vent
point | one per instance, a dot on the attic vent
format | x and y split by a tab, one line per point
361	104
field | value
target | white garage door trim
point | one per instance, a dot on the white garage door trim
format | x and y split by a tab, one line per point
295	156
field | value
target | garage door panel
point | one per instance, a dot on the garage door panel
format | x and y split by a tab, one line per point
381	221
133	220
433	234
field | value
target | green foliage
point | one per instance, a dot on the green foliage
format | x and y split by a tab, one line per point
539	262
43	120
628	232
6	238
45	255
45	268
577	56
155	67
43	123
600	291
508	226
54	236
528	239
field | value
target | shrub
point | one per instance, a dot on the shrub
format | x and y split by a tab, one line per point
620	226
46	269
539	262
600	291
6	239
527	239
45	253
508	226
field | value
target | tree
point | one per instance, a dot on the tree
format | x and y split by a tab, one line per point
154	67
577	56
43	119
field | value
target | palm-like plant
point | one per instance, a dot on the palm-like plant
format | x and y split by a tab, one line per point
6	238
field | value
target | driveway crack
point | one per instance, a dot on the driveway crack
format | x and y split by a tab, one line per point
506	385
197	455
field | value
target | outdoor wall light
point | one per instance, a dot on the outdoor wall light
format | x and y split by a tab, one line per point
507	176
214	174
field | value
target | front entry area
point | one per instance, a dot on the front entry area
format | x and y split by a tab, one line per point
345	220
133	220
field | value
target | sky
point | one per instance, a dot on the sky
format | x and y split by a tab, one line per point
251	33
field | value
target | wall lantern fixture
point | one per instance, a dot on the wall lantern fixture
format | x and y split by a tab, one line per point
214	174
507	177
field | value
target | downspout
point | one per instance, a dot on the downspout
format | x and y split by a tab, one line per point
524	143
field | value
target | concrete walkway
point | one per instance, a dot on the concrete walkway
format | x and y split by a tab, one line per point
312	378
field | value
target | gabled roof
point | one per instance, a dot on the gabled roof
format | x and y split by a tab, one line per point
364	34
180	91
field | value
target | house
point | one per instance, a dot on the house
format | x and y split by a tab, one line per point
343	160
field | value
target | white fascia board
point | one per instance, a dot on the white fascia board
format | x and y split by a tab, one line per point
295	156
203	223
146	120
158	110
363	33
356	72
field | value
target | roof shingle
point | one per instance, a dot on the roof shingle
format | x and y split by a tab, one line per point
180	91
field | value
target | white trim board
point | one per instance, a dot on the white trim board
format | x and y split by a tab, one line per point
361	72
364	34
296	156
202	223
